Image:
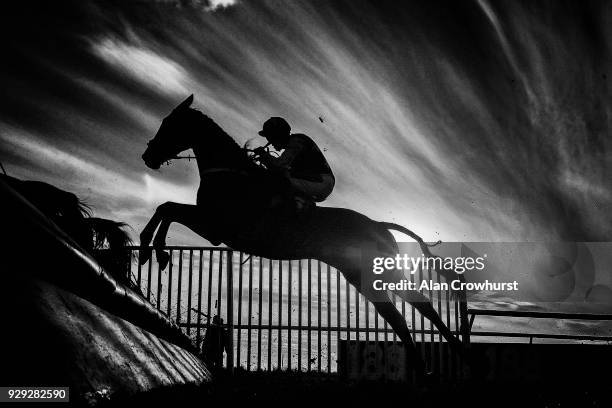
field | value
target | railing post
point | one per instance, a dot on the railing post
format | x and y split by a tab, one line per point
230	311
464	319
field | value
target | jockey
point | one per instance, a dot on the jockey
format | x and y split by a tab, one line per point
301	163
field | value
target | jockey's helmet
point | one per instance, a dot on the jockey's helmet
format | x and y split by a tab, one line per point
275	128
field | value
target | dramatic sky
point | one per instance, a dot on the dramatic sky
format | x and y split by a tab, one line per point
469	120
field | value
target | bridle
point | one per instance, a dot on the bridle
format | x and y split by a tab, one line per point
189	158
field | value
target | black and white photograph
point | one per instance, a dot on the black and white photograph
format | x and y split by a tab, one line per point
357	202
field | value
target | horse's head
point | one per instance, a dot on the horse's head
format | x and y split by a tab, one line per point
174	136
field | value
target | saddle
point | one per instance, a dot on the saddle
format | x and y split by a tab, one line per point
280	216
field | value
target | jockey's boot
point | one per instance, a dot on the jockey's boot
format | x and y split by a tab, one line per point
303	205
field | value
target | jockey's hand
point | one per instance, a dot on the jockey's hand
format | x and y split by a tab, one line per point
260	151
263	156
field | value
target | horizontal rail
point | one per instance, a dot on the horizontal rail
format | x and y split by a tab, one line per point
182	247
536	315
543	336
389	331
342	329
540	315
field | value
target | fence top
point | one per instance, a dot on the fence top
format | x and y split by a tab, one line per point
184	247
539	315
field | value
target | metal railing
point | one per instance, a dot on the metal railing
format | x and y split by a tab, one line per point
533	314
287	315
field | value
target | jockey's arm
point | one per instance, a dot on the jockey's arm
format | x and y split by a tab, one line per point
285	160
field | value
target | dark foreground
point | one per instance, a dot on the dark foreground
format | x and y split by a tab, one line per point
316	389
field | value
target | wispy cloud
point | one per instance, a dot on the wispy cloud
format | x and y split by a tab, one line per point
143	65
472	121
113	194
214	4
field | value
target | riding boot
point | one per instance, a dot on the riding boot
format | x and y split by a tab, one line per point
303	205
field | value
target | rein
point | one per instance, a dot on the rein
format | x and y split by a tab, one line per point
214	170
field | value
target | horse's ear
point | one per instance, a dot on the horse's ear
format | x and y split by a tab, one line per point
186	103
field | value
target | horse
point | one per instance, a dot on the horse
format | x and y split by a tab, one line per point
232	207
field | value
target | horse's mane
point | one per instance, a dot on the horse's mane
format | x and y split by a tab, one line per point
213	126
223	144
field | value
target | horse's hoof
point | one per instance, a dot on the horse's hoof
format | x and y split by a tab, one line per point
163	258
144	255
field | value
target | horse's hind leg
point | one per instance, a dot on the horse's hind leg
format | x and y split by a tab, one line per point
425	308
389	312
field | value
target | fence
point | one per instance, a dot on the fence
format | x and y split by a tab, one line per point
599	317
287	315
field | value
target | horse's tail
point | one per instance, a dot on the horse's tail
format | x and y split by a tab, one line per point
448	275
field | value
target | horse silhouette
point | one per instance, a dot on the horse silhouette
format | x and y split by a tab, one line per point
233	207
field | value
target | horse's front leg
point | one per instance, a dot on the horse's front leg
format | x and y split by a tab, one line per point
146	236
188	215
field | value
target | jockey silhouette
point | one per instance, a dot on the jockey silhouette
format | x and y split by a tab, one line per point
301	163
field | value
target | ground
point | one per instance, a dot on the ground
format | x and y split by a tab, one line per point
317	389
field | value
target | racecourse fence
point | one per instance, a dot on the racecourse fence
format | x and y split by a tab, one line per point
288	315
